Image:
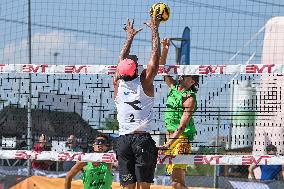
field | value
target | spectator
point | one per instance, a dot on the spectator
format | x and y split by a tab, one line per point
268	172
39	147
71	147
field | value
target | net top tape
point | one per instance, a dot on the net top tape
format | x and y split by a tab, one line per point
163	70
162	159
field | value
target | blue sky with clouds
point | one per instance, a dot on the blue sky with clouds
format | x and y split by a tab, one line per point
90	32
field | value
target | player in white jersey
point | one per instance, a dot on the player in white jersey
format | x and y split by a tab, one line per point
134	98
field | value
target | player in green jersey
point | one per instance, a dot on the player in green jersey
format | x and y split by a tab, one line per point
180	107
96	175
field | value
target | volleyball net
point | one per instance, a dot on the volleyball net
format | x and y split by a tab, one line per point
238	115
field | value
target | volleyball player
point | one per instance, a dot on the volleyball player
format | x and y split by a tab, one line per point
180	107
134	98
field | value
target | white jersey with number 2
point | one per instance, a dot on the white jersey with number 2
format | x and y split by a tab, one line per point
134	107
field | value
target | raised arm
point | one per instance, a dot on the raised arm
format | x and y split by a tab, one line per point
163	59
166	45
131	32
153	65
74	170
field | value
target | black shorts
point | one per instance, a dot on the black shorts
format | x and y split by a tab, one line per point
137	158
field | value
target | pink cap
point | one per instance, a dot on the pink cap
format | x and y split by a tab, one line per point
127	67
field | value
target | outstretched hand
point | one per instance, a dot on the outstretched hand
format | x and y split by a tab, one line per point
129	28
165	42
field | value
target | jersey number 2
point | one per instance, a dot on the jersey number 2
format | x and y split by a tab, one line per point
132	118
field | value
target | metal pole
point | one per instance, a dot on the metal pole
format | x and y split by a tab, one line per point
29	129
232	116
58	92
101	99
216	170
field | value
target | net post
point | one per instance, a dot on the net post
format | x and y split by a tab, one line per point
29	112
216	167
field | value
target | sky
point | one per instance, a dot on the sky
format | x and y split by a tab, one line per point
90	32
82	30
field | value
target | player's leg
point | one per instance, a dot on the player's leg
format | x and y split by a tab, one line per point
126	162
146	153
178	178
129	186
143	185
177	171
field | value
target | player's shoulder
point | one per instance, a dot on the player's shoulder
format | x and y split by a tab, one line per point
188	95
188	98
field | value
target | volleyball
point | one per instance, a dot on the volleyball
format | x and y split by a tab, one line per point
161	11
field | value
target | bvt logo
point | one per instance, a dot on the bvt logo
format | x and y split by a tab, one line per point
64	156
248	160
